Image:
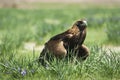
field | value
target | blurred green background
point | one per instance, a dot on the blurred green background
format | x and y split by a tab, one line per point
26	25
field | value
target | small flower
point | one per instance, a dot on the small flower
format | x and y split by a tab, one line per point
23	72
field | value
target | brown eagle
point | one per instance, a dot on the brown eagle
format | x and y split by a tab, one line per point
71	40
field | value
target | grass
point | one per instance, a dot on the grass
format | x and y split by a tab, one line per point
98	66
18	26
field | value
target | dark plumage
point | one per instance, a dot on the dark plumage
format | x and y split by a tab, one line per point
70	40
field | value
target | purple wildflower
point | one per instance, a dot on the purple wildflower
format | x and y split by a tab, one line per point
23	72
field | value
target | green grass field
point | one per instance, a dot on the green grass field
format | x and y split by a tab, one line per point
19	26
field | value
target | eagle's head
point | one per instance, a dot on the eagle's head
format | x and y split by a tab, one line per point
81	24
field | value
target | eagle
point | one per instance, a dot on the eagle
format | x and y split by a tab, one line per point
61	44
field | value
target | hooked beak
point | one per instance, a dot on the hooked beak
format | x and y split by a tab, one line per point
84	23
